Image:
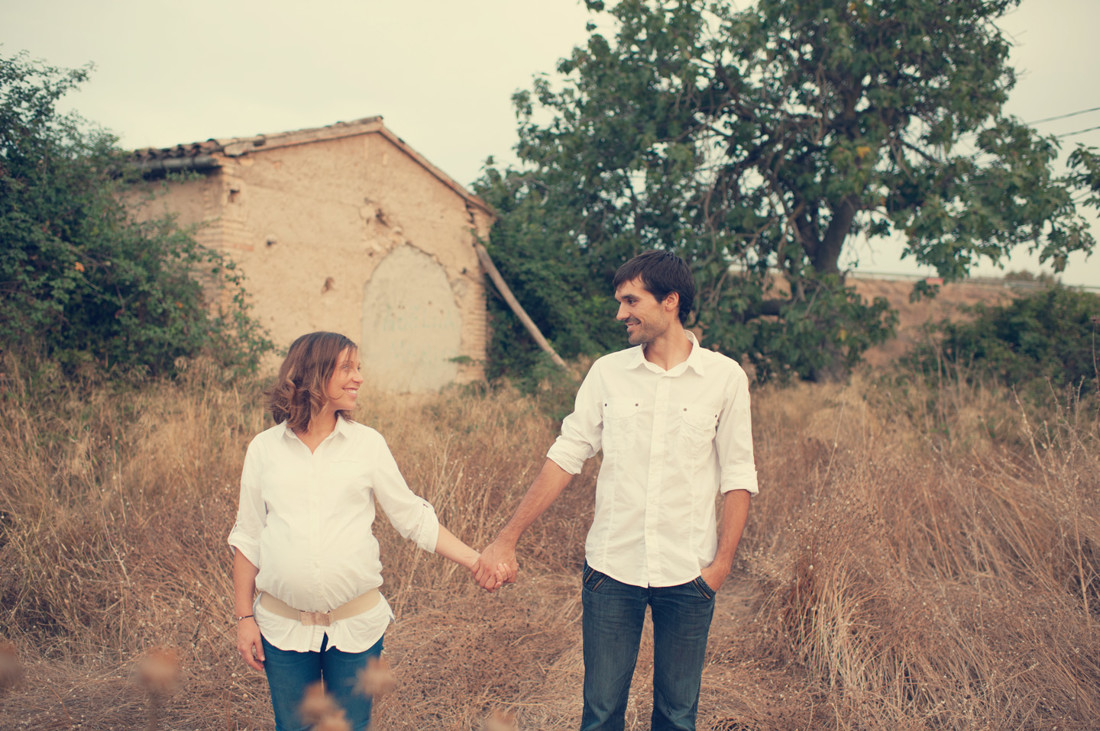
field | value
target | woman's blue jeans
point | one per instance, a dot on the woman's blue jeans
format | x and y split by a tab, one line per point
612	627
289	673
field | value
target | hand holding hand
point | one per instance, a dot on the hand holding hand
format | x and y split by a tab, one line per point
496	566
249	644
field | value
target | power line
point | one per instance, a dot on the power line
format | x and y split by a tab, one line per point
1078	132
1065	116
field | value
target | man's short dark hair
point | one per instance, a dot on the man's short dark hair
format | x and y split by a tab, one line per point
662	273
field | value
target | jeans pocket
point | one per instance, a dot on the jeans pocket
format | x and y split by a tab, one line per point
591	579
703	587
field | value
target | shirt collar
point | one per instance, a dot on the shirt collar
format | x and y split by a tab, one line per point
341	429
636	357
287	431
695	357
694	360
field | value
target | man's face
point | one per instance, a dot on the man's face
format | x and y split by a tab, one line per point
646	319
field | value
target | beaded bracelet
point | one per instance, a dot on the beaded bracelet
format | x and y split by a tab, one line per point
245	616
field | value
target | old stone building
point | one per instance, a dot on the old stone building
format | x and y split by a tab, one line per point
342	228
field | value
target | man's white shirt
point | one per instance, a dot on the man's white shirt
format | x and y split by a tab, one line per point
671	441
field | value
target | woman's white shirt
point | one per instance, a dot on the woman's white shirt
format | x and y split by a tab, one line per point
304	520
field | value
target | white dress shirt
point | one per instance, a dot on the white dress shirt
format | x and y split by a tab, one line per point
671	440
305	522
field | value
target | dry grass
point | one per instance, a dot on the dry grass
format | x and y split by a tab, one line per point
926	572
918	558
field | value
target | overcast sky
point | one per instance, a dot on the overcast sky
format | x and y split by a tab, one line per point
441	73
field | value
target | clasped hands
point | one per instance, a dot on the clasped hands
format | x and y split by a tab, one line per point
496	566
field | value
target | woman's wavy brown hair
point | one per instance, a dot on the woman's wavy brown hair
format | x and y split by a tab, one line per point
299	390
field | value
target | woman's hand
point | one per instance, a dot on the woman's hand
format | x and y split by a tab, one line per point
249	644
497	565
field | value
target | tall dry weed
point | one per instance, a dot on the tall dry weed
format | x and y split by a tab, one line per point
930	571
116	507
918	558
114	513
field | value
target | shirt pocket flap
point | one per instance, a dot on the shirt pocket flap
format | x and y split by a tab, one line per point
701	418
620	409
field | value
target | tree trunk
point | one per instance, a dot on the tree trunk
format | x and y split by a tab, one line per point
826	257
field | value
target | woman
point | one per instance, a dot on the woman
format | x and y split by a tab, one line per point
306	569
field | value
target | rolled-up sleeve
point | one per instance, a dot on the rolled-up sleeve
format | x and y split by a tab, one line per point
581	432
411	515
251	512
733	440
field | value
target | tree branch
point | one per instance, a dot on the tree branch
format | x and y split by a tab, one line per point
517	308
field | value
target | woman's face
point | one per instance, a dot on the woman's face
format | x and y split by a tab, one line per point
343	386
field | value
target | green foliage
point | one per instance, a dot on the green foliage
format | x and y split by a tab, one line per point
756	144
1049	337
821	336
569	302
81	280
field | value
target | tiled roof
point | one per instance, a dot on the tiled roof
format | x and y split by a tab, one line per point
204	155
194	149
236	146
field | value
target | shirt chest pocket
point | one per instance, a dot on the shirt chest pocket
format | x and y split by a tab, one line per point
620	426
696	430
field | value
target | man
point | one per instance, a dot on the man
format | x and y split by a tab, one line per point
673	421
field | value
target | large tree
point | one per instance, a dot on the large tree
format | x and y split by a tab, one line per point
759	144
81	280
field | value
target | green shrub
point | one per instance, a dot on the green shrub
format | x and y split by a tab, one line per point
1049	337
81	281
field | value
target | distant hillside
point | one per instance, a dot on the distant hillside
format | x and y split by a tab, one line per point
913	316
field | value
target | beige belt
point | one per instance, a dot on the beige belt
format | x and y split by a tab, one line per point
358	605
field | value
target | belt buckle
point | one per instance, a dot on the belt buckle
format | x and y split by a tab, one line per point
309	619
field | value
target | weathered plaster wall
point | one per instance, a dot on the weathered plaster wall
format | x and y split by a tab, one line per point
192	201
310	224
411	334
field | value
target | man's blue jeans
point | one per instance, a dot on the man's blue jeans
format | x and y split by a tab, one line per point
289	673
612	628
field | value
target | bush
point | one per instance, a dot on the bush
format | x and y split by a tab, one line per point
1049	337
81	281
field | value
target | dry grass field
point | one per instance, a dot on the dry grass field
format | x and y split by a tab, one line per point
918	558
